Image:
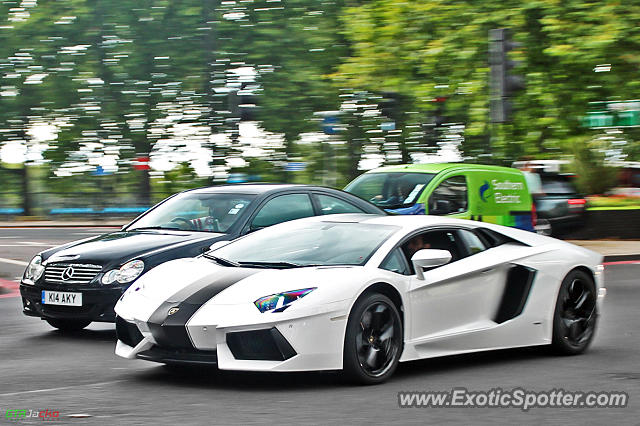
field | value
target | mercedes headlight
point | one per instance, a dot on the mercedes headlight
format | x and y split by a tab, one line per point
127	273
34	270
280	301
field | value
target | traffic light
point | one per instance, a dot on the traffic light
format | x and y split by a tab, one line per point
503	82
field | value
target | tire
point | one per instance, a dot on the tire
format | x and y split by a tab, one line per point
68	325
576	314
373	359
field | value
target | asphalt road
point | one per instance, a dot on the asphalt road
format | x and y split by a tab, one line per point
78	374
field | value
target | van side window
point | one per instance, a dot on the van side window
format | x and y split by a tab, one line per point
449	197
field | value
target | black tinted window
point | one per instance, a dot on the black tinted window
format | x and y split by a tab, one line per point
557	185
283	208
333	205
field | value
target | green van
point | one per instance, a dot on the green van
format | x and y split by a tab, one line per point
466	191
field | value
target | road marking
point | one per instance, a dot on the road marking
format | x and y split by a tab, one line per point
14	262
27	245
60	388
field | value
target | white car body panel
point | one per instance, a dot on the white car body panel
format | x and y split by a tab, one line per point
451	311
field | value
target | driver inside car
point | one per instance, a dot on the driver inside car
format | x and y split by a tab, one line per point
211	222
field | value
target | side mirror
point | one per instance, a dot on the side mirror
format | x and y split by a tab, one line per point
442	207
429	258
218	244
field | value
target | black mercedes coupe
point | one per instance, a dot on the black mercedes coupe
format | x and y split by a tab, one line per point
74	284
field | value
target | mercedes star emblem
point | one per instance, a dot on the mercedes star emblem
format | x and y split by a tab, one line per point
67	274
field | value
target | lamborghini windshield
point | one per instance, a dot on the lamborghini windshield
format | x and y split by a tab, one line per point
191	211
390	190
305	244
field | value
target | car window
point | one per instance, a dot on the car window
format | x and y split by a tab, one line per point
557	185
197	211
390	190
333	205
283	208
449	197
441	240
471	241
396	263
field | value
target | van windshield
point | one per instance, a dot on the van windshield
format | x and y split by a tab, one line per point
390	190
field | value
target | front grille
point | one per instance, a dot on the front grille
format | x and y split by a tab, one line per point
71	273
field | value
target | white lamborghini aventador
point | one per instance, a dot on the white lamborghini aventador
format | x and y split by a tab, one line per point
360	293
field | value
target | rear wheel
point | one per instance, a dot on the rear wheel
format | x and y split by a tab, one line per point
68	325
575	317
373	340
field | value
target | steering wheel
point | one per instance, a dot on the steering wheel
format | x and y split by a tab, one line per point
183	220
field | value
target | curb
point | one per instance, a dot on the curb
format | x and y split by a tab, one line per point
9	289
621	258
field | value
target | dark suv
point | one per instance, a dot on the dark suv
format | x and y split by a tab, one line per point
559	207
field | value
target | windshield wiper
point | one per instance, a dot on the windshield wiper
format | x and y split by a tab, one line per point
146	228
222	261
277	265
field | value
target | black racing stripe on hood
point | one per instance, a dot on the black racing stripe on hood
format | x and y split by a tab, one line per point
170	330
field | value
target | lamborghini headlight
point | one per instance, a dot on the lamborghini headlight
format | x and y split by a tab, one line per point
280	301
34	270
127	273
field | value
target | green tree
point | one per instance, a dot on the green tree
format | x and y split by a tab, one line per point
423	49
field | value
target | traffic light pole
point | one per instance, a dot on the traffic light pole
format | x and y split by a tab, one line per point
503	84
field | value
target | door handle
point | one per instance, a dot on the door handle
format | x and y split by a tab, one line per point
486	271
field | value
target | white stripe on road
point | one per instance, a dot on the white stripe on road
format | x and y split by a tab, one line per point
60	388
13	262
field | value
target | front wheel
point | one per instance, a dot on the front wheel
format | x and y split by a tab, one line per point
575	317
68	325
373	340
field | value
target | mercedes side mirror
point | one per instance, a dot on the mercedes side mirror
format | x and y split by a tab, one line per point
429	258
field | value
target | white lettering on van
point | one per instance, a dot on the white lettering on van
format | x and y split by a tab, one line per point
506	185
506	199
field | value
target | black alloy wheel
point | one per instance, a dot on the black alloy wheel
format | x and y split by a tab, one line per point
576	314
373	342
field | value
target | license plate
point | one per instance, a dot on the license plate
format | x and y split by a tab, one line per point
61	298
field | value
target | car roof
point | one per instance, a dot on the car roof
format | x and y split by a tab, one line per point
410	222
258	188
439	167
